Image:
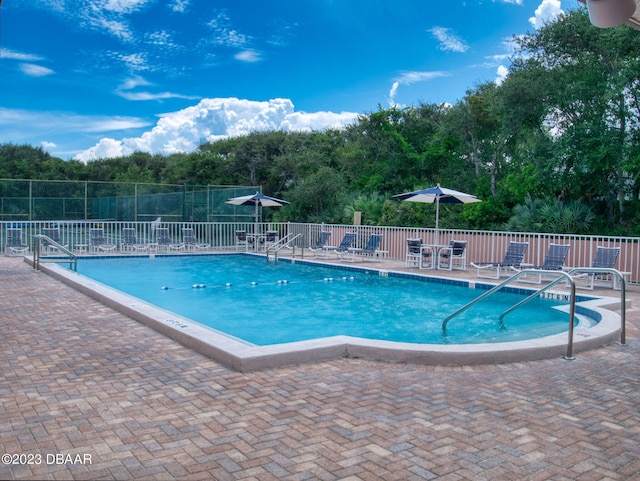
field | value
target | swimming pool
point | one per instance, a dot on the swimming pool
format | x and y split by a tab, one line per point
266	303
336	291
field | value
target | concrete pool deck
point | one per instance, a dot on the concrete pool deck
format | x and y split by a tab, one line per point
79	378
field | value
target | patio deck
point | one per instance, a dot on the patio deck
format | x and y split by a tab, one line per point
81	379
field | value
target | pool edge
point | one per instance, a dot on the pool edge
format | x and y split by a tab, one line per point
246	357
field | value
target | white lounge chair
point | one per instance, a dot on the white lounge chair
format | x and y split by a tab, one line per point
164	240
320	249
14	245
553	261
98	242
371	251
52	233
511	263
347	242
190	241
605	258
130	241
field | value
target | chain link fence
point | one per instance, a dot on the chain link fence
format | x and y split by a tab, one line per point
47	200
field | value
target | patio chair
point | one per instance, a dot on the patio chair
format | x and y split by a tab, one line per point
164	240
553	261
347	242
270	239
371	251
605	258
454	256
14	243
98	242
511	263
417	254
190	241
241	240
130	241
320	249
52	233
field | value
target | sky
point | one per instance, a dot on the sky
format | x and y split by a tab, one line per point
88	79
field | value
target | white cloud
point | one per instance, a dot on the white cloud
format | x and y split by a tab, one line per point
34	70
26	121
449	42
409	78
13	55
180	6
224	33
546	12
48	145
214	119
125	90
124	6
249	56
102	150
501	74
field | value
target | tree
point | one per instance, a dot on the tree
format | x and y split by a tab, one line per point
590	95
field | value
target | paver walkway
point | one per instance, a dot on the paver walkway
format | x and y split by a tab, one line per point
89	394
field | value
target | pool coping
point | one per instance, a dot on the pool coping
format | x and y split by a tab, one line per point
244	357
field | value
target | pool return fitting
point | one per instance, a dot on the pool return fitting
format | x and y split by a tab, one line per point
562	276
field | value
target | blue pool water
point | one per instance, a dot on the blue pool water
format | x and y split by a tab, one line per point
265	303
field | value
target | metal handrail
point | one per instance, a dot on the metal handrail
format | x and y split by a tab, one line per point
281	244
623	293
561	276
73	259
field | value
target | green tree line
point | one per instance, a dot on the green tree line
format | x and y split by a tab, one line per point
553	148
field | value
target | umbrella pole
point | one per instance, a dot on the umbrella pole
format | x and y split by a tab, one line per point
255	221
437	236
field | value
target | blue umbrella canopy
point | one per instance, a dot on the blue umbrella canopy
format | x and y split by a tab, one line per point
437	195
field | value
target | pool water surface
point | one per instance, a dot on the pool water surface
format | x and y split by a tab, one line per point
265	303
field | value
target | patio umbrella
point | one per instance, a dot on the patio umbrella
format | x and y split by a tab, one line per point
257	200
438	195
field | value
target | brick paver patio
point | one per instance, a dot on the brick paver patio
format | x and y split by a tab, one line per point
89	394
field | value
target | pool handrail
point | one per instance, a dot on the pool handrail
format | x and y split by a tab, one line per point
73	259
623	293
561	276
281	244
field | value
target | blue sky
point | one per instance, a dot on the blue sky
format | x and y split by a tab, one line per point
88	79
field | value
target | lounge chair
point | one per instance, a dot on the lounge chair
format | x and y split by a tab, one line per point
511	263
52	233
320	249
417	254
347	242
14	243
164	240
605	258
98	242
553	261
190	241
130	241
454	256
371	251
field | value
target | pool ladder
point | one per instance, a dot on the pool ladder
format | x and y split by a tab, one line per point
562	276
71	258
272	251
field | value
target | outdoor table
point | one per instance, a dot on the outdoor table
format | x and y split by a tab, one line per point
435	249
258	239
